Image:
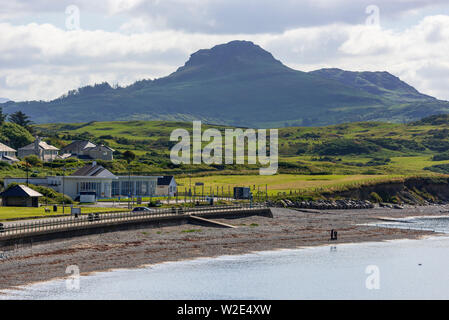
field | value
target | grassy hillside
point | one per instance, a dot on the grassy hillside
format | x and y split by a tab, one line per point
14	135
364	148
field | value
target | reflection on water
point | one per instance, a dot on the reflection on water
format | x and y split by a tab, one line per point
407	269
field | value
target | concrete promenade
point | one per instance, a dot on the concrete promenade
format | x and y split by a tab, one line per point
32	231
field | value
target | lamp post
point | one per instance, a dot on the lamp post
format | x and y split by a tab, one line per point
251	200
190	187
129	157
129	186
63	190
26	169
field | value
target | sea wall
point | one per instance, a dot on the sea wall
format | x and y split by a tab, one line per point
24	240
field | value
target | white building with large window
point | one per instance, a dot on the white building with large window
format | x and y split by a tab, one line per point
95	178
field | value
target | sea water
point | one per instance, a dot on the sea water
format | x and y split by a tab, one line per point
402	269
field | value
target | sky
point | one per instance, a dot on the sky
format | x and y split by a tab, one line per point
48	47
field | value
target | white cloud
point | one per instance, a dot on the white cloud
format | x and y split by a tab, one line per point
225	16
41	61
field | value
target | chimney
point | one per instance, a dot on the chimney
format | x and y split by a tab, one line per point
36	144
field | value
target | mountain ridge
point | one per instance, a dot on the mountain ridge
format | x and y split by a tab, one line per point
241	84
375	82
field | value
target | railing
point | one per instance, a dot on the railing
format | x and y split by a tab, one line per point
104	218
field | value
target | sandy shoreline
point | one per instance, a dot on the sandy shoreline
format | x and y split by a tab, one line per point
289	229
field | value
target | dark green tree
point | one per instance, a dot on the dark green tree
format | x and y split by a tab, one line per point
20	118
129	156
3	116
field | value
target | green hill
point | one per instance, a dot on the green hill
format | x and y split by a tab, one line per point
241	84
368	148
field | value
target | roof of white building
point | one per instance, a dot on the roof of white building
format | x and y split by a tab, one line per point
164	181
5	148
42	144
92	170
80	144
99	147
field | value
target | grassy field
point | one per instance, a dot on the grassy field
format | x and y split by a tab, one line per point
20	212
279	183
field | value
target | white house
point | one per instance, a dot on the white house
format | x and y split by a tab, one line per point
166	186
7	154
41	149
95	178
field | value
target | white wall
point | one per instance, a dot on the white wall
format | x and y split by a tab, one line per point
35	181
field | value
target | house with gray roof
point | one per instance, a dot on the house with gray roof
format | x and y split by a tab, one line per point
77	147
41	149
87	150
20	196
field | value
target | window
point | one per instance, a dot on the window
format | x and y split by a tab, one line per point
91	186
142	188
115	188
127	188
152	187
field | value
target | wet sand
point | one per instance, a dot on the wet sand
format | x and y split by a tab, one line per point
130	249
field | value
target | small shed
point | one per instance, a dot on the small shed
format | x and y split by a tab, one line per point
166	186
20	196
